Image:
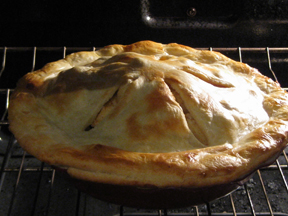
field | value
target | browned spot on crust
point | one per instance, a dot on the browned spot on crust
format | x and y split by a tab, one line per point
158	99
139	131
134	128
98	152
153	74
145	47
181	46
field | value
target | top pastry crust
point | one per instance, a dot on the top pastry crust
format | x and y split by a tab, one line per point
156	114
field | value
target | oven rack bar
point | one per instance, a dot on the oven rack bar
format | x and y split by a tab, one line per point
42	170
93	48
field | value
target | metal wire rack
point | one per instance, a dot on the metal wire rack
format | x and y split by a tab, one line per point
30	187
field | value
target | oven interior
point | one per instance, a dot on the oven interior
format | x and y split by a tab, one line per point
253	32
205	23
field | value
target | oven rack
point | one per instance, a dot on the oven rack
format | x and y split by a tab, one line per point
30	187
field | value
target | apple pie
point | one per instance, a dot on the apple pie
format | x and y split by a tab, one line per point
152	119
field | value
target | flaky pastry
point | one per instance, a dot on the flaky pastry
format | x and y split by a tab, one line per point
151	115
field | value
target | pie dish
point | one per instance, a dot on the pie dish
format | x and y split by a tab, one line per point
151	125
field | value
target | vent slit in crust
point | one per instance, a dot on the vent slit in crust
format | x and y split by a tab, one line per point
207	77
191	122
104	111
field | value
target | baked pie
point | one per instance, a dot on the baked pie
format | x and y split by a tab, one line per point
176	125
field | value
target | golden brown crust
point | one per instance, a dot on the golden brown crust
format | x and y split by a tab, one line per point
151	114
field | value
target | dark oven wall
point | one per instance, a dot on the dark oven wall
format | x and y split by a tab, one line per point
225	23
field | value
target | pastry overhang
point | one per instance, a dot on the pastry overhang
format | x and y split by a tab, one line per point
148	104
